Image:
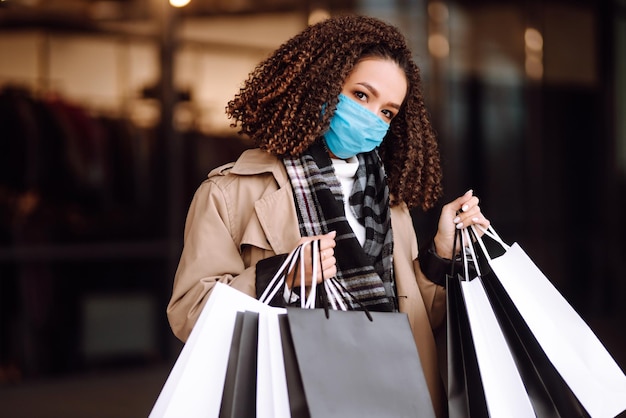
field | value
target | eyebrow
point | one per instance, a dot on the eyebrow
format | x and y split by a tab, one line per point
373	90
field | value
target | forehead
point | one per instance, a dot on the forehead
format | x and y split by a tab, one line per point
384	75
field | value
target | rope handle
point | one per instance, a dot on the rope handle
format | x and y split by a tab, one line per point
294	262
491	233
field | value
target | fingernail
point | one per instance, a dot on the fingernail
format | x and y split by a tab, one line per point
475	219
459	225
457	219
470	191
465	207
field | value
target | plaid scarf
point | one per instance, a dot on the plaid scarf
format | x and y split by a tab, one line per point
366	272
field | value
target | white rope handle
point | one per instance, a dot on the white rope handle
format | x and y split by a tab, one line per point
279	277
310	302
339	296
337	301
465	238
303	275
491	233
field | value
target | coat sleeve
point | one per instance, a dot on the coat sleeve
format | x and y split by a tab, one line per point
433	294
210	254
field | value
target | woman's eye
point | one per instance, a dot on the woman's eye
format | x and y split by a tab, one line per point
360	95
388	114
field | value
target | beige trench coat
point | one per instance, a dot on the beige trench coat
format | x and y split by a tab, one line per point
245	212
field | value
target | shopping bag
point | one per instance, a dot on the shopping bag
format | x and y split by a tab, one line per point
351	365
340	363
345	363
272	400
466	397
298	407
502	387
195	385
239	395
548	392
571	346
279	385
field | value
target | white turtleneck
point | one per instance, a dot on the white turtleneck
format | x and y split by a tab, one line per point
345	171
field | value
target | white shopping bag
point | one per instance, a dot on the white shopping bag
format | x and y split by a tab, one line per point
505	393
504	390
195	384
272	395
572	347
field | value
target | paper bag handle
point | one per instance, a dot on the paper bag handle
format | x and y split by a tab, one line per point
329	286
293	263
466	244
279	277
491	233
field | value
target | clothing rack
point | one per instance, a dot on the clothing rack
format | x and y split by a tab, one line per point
57	276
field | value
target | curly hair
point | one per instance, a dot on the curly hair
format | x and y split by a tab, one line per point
281	104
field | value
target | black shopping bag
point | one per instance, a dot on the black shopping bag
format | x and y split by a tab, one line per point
239	396
496	382
466	397
572	347
297	401
351	365
549	393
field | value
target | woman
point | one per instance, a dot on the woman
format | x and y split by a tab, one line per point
345	149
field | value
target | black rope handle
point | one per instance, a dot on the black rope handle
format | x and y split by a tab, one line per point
296	267
457	234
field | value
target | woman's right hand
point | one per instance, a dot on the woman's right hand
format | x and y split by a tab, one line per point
329	263
462	212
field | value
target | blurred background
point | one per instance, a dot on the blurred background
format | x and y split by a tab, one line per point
112	113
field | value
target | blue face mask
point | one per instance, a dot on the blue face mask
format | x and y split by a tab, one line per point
354	129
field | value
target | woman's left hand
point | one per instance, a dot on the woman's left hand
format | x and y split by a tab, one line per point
460	213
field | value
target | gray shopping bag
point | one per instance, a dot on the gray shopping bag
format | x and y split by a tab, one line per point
352	366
